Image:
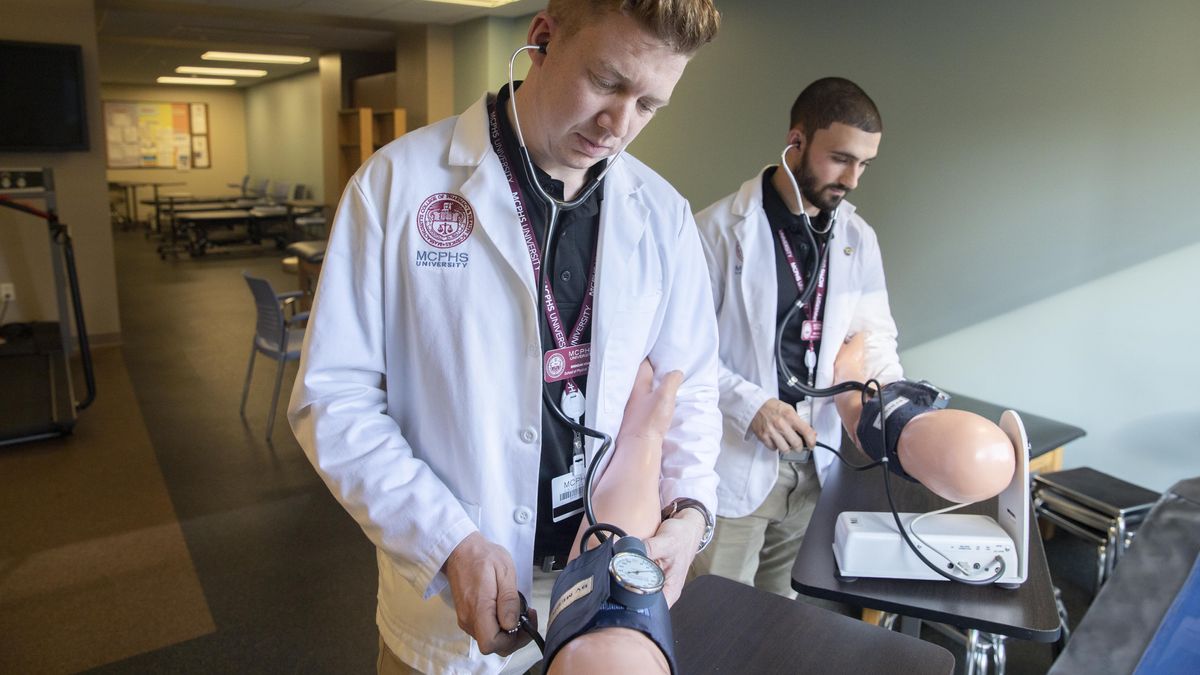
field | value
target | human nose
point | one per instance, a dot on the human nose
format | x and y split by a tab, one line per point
850	176
615	118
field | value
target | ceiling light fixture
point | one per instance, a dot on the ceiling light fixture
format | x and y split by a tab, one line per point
476	3
254	58
217	81
228	72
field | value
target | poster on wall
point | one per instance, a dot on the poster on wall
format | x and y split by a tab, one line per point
120	120
200	118
200	158
146	134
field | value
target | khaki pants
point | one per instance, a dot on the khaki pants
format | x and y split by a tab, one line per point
522	661
760	549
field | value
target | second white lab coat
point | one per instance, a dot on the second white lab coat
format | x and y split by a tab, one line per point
419	393
739	245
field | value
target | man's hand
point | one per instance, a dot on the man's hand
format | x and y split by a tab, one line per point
781	428
483	580
673	546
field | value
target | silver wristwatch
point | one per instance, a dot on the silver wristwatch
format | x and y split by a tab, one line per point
680	503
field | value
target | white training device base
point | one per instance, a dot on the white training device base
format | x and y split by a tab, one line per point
867	543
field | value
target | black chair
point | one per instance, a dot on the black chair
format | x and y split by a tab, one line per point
278	334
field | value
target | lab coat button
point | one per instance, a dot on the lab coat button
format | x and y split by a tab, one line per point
528	435
532	350
522	515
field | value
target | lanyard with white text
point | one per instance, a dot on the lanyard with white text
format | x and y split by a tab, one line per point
811	329
569	359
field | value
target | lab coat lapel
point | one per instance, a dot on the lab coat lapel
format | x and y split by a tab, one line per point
837	301
488	191
760	294
623	221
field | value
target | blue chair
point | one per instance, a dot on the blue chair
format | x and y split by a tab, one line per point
278	334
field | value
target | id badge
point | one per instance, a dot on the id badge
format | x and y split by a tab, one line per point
811	330
567	362
566	496
802	456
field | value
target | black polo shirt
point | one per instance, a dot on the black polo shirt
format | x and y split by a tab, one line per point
572	267
779	217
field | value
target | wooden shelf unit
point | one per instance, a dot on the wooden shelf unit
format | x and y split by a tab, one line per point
388	125
362	131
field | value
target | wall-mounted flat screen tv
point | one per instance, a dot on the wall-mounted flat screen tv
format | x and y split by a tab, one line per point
41	98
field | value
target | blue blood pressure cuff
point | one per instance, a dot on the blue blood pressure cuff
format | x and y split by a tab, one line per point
581	603
904	400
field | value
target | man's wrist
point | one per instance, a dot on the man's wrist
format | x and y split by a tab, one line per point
685	507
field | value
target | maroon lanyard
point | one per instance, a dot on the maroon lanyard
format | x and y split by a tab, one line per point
561	339
814	309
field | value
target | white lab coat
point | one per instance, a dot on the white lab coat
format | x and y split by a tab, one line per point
739	245
419	393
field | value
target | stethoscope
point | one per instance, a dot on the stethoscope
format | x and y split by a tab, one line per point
810	230
554	208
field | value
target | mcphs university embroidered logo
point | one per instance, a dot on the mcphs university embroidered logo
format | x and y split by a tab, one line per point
445	220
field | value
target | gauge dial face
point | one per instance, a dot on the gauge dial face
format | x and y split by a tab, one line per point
637	571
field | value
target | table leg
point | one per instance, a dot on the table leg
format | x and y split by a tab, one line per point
976	655
999	657
157	220
130	200
910	626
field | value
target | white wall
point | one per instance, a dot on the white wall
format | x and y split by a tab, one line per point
283	123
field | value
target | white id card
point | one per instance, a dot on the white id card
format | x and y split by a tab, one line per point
804	409
566	496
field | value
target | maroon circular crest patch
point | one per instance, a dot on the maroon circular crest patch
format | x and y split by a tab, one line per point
555	366
445	220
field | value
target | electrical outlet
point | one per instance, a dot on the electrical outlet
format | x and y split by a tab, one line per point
8	292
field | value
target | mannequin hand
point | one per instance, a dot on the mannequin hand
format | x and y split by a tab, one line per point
781	428
483	581
674	546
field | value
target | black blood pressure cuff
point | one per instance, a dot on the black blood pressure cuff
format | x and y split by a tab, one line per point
580	603
905	400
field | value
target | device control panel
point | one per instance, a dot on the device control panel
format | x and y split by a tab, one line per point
22	180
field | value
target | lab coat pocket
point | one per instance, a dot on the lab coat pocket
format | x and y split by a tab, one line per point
473	512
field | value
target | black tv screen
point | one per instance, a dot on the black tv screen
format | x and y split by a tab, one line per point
41	98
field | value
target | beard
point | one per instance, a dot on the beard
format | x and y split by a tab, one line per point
820	196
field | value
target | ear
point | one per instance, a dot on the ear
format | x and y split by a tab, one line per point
541	30
796	137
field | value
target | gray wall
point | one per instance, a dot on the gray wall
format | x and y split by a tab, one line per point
1028	146
1032	193
282	120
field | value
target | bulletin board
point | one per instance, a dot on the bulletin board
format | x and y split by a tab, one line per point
157	135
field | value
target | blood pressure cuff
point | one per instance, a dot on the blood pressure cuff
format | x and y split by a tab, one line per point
581	603
905	400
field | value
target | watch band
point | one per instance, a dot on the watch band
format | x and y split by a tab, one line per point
680	503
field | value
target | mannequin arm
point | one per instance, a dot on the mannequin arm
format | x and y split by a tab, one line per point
958	455
626	494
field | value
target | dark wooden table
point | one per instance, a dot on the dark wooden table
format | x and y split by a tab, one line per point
722	626
1028	612
1045	434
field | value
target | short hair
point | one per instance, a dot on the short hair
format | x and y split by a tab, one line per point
684	25
834	99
